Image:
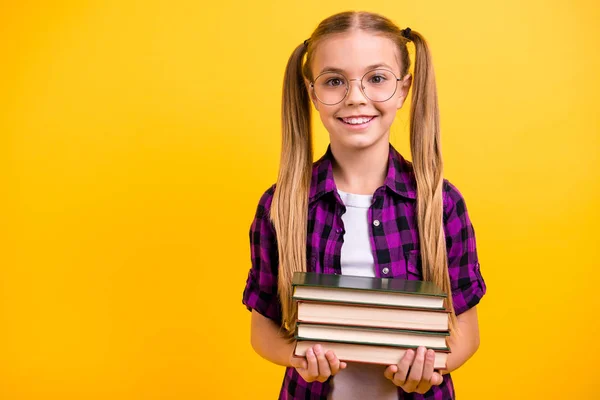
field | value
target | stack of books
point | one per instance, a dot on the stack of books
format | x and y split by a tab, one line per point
370	320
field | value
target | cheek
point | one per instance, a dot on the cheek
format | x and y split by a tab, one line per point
327	116
323	116
386	111
326	121
388	114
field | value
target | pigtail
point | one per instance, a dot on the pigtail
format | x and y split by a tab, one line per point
426	152
289	209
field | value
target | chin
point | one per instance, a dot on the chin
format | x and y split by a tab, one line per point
358	142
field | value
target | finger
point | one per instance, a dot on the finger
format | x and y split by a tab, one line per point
436	379
334	363
299	362
403	367
425	383
416	371
324	370
313	367
390	371
343	365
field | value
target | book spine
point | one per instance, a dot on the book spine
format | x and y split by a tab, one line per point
363	305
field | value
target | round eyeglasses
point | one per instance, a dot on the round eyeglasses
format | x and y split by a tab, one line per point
377	85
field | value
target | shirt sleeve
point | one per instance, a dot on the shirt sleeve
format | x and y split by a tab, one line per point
468	286
261	292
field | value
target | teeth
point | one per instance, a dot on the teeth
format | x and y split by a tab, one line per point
357	121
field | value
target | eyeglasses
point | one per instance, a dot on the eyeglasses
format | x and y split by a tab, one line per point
377	85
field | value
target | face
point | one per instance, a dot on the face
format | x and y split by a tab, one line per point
354	54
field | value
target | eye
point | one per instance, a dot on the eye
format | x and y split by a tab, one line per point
334	82
378	79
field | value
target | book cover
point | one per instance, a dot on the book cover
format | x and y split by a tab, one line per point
421	288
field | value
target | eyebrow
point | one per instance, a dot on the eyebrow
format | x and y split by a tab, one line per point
341	71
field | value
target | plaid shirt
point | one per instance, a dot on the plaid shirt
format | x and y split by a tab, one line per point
395	242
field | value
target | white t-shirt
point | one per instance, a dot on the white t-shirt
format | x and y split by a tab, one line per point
357	257
359	381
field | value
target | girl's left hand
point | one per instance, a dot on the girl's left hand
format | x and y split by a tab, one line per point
421	377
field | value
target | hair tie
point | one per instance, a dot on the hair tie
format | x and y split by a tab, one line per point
406	33
306	43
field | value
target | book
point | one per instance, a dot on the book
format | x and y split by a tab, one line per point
366	290
366	353
376	336
373	316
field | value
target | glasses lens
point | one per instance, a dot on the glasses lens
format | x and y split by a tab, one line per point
330	88
379	84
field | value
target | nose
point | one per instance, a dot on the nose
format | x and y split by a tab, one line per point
355	93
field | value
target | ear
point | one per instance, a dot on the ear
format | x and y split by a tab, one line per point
311	93
403	87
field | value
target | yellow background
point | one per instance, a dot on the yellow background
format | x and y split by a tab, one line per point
138	136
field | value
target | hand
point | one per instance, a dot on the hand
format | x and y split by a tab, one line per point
421	377
318	365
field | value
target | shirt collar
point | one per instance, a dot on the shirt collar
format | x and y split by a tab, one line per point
400	177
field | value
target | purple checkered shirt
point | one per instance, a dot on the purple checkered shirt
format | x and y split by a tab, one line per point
395	243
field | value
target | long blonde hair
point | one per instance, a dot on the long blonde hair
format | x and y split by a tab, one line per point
289	209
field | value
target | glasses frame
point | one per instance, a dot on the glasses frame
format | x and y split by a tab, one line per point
362	88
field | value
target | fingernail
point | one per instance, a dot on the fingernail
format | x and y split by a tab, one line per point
318	349
420	351
430	354
310	352
411	353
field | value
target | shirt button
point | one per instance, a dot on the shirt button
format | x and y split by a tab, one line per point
385	270
339	230
376	222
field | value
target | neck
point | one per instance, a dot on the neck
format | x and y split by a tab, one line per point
360	171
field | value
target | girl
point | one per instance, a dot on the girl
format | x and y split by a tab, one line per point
361	209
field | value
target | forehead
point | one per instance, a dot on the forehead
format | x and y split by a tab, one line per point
354	52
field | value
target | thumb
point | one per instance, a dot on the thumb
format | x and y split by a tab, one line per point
390	371
436	379
299	362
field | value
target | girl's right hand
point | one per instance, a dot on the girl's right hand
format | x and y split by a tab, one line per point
317	366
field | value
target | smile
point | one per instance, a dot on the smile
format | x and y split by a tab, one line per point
357	120
357	123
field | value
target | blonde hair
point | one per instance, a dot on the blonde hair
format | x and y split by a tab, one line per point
289	209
